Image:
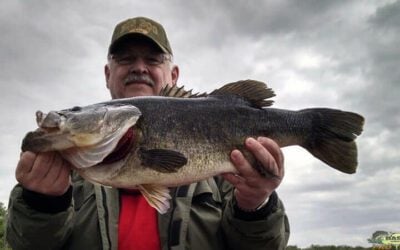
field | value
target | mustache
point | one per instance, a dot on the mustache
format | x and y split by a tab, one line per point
132	78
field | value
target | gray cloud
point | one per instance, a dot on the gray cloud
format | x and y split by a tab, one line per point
341	54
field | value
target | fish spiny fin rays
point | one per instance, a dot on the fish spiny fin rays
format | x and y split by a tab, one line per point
180	92
332	137
157	196
162	160
255	92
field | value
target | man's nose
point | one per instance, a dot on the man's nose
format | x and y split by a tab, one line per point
138	66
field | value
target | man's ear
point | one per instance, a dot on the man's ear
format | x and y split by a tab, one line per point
107	74
174	74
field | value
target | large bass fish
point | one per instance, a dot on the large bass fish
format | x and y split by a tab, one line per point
177	138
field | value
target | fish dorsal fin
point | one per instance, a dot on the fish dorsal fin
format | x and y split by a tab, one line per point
157	196
255	92
180	92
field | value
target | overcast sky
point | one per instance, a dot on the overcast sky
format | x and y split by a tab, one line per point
340	54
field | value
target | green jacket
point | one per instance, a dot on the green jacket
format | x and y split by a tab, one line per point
202	216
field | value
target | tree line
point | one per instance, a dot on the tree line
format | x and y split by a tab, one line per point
3	213
318	247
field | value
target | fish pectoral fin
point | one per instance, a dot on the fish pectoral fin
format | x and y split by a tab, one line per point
255	92
162	160
157	196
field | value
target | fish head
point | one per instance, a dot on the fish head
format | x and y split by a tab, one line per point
81	127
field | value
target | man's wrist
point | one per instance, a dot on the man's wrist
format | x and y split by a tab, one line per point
259	213
256	208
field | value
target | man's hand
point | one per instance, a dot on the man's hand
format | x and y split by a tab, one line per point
251	188
45	173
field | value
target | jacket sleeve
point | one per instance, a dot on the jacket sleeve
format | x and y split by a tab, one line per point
35	221
267	228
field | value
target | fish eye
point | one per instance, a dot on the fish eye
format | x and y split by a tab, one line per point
76	108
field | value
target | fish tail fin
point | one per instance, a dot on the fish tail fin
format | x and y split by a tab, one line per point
332	137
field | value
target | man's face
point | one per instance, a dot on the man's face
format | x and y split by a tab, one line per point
137	67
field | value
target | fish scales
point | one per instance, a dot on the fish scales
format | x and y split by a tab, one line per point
151	143
213	120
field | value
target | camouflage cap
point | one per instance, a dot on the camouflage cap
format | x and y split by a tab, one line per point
141	26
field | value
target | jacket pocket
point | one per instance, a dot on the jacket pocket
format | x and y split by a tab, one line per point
207	194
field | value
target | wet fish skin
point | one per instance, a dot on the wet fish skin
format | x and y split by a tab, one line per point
179	140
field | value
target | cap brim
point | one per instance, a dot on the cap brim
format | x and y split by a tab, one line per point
134	36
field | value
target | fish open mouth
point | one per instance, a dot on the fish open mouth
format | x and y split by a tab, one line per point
122	149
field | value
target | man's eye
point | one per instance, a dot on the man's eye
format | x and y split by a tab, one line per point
149	59
124	60
154	60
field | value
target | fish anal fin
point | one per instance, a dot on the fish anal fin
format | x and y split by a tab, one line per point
162	160
157	196
255	92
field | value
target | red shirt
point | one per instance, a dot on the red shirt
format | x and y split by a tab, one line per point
138	226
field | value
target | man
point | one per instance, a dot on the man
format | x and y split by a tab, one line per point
48	209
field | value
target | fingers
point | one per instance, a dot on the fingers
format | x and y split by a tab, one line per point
264	159
25	165
271	157
42	166
46	173
252	186
55	170
233	179
274	149
268	155
241	163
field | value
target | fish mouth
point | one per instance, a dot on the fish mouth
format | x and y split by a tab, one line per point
85	136
45	140
50	122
